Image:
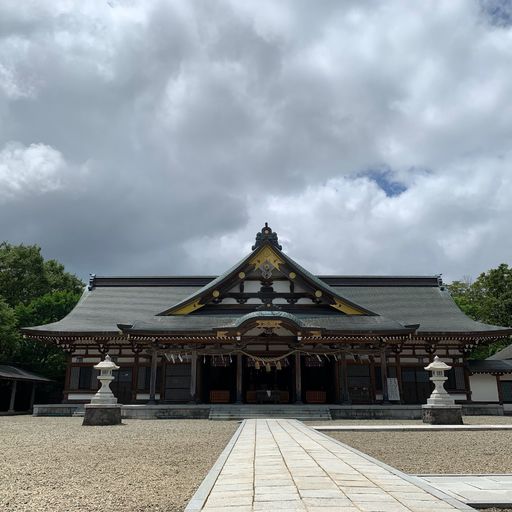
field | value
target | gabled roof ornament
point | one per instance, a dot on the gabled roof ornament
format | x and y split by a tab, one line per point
266	235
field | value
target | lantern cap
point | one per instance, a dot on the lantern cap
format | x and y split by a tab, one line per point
106	364
437	364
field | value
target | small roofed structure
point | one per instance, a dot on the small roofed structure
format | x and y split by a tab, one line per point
491	379
21	386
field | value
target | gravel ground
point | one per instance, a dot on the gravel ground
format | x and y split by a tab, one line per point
55	464
468	420
436	452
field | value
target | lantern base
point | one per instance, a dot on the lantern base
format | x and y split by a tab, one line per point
442	415
102	414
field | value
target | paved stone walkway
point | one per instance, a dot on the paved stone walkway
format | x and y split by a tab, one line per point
478	490
285	465
409	428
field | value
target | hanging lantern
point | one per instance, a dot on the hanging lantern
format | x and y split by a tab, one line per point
267	367
257	365
278	365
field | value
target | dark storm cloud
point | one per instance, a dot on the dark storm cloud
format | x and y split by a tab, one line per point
157	137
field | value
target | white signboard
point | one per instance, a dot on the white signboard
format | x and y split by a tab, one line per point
393	390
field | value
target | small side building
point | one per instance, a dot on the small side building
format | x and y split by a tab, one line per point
17	389
491	379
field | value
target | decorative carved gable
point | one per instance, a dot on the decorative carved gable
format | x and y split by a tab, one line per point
266	279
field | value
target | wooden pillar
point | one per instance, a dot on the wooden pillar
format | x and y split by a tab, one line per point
373	384
193	377
67	378
199	379
467	383
298	379
32	397
239	365
135	377
399	377
384	375
13	395
337	383
152	377
345	395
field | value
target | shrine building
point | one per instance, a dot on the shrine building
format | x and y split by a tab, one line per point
267	330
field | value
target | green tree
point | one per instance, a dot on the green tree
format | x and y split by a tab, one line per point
488	300
9	337
33	292
25	275
58	280
22	275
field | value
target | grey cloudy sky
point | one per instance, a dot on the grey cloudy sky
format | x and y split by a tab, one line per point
157	137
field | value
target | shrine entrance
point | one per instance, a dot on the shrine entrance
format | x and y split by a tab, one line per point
267	383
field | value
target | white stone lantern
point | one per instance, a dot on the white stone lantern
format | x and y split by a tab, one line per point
104	394
439	396
440	408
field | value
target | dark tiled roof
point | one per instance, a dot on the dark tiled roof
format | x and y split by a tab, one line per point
487	366
101	309
505	353
14	373
431	307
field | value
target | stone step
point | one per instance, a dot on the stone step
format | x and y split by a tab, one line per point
253	412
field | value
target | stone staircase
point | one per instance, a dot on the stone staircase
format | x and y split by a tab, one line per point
249	411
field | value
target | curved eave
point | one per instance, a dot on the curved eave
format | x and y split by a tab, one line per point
502	333
230	334
378	333
41	333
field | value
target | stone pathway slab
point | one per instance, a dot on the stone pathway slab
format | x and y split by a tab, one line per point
279	464
476	490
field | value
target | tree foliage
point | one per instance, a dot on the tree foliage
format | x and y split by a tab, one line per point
33	292
488	299
9	337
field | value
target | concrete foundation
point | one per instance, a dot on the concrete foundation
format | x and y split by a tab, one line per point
202	411
96	414
477	409
447	415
